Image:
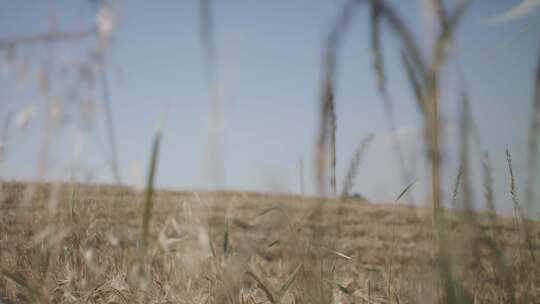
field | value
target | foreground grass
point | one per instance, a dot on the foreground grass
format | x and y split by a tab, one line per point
81	244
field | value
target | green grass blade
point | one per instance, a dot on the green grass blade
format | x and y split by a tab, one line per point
148	205
405	190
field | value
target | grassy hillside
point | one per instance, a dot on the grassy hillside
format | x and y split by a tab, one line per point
83	244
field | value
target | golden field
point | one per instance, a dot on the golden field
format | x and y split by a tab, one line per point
63	243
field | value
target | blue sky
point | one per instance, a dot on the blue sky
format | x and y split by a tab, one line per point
269	56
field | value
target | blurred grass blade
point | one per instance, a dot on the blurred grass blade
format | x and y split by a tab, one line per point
264	212
532	158
327	123
339	254
399	28
445	36
72	200
207	36
520	220
107	103
405	190
464	135
378	66
289	282
148	204
4	140
376	52
415	84
356	161
456	187
274	243
513	193
226	238
488	188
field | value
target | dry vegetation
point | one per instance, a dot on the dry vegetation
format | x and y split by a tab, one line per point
82	243
243	248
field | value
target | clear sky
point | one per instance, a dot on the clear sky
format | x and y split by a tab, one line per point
269	56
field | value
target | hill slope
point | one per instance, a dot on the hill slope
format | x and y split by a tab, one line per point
76	243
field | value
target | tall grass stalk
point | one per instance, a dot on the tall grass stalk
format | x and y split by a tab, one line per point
72	201
301	175
455	192
378	67
352	172
330	110
423	79
423	75
214	161
207	37
532	159
464	135
4	140
113	157
521	226
356	161
148	203
513	193
327	123
488	188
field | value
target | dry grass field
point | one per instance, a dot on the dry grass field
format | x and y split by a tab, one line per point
83	244
88	243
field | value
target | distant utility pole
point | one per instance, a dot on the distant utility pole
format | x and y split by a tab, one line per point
302	185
